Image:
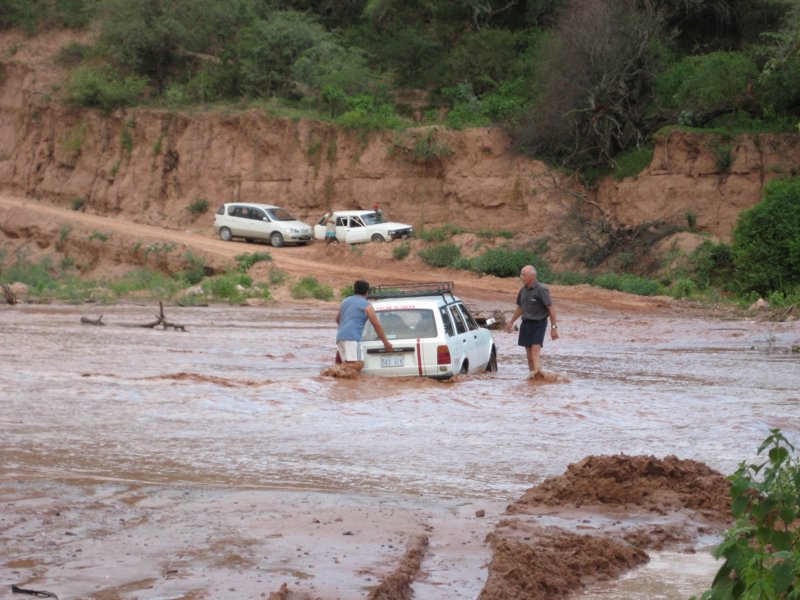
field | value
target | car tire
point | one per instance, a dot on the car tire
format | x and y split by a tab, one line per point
225	234
377	237
276	239
464	368
491	366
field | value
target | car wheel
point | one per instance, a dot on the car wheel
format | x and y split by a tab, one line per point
225	234
491	366
276	239
377	237
464	368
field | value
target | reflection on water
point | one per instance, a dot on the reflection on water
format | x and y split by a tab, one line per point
238	400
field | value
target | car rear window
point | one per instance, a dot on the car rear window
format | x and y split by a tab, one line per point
403	324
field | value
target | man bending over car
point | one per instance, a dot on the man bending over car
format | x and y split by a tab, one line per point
353	314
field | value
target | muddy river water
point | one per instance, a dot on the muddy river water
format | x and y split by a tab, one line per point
219	462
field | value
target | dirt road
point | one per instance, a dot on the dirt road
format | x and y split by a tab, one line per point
41	224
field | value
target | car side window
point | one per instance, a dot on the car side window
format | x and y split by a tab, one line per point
341	221
257	214
448	324
356	222
471	323
458	319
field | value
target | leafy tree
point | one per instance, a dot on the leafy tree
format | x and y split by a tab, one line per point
483	59
267	49
766	240
594	79
779	85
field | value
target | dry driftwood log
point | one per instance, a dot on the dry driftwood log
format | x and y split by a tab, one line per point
11	298
88	321
162	320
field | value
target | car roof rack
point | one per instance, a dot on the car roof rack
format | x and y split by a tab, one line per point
408	290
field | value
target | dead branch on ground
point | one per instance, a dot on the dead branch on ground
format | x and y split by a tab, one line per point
11	297
88	321
161	319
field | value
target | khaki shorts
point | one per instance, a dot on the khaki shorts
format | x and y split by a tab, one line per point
349	350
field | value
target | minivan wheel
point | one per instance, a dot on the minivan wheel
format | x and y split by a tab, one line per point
491	366
225	234
377	237
276	239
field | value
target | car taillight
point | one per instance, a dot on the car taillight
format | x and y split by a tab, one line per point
442	355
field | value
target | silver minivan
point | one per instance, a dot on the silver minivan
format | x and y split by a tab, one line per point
260	222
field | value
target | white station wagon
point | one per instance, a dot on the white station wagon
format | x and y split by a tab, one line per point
357	226
260	222
432	332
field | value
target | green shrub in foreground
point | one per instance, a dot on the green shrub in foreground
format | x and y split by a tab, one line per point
762	550
309	287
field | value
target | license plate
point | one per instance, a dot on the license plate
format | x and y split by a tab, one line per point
392	360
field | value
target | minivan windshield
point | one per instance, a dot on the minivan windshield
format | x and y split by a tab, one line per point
279	214
403	324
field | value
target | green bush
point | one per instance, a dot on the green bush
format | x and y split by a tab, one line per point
683	288
440	233
441	255
766	243
230	286
631	284
198	207
761	551
309	287
102	87
401	251
572	278
157	284
245	261
633	162
705	82
369	113
711	264
508	262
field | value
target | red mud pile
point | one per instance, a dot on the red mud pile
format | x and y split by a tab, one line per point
630	504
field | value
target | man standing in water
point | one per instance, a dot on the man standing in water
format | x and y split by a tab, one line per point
353	314
535	306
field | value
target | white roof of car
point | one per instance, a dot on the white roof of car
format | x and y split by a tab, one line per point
351	213
256	204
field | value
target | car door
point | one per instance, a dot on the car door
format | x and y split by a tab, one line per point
355	232
462	340
478	347
240	223
260	225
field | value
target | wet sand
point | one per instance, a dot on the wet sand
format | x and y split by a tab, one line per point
220	463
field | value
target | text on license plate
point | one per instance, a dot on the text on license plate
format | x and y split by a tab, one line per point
392	360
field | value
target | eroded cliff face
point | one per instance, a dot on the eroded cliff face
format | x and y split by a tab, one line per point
150	164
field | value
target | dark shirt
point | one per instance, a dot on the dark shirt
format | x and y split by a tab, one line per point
534	301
